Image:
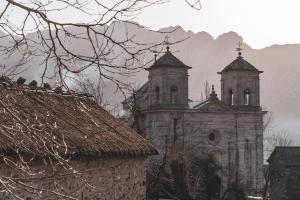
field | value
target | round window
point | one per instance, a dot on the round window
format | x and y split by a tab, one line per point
212	137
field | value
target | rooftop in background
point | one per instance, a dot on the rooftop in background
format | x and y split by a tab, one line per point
290	156
141	93
66	118
168	60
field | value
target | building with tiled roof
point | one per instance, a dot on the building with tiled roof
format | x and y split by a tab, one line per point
284	173
289	155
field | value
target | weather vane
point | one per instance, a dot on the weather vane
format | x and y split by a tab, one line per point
239	49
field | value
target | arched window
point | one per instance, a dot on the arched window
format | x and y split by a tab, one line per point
231	97
173	94
247	97
157	95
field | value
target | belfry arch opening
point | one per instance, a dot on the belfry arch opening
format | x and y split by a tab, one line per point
231	97
247	97
173	94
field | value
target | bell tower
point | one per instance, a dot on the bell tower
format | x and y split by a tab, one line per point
168	82
240	84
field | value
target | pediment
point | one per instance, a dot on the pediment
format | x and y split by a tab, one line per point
213	106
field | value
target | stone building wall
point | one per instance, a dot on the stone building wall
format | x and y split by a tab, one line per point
285	181
96	179
293	182
278	180
193	129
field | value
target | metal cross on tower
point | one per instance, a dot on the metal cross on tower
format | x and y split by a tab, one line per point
239	49
167	42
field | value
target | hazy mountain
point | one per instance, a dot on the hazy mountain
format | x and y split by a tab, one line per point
280	92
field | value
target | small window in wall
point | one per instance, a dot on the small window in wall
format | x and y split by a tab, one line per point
157	95
173	94
231	97
247	97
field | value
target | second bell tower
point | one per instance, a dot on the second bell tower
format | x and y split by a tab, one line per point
240	84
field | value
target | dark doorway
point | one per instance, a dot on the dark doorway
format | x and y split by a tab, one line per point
214	187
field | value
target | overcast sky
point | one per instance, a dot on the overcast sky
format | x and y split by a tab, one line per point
260	22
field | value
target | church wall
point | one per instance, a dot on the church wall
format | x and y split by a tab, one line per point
193	130
108	179
251	149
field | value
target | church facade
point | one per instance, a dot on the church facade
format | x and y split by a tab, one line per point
230	128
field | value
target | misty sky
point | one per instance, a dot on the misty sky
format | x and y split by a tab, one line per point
260	22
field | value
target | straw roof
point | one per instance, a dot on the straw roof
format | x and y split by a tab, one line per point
33	120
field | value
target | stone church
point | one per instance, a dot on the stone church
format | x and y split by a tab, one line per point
229	127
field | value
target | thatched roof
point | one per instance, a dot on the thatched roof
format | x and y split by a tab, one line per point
33	120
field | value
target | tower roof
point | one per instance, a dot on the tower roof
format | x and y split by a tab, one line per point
240	64
169	60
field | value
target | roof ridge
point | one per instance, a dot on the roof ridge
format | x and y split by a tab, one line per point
9	84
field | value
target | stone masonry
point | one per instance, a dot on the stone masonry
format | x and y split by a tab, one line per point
94	179
284	173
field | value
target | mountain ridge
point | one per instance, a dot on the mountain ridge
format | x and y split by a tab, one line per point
207	56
